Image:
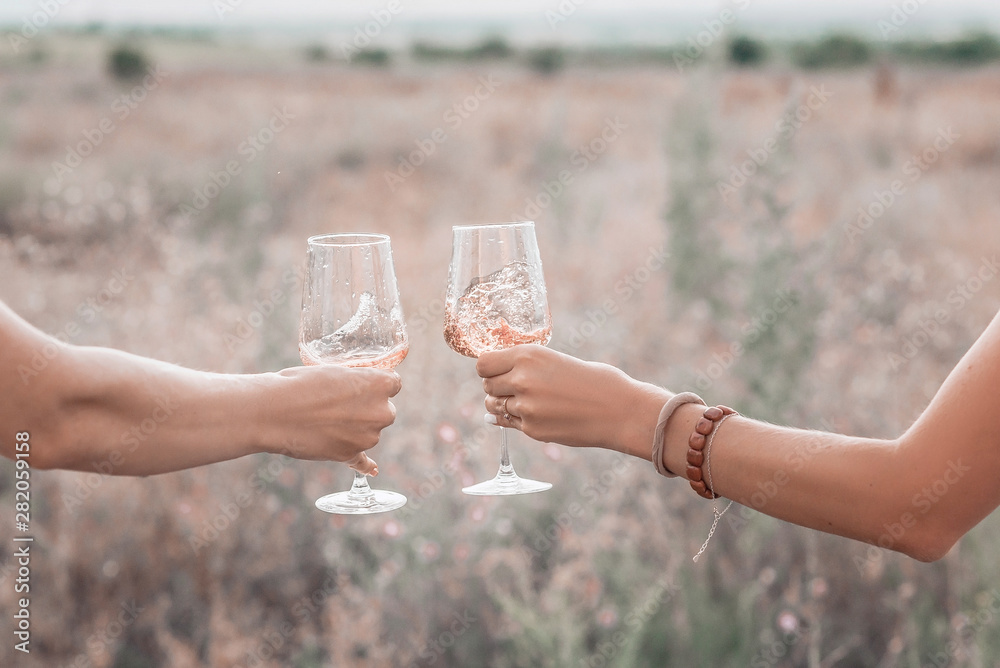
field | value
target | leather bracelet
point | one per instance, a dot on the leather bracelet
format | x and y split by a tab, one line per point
668	409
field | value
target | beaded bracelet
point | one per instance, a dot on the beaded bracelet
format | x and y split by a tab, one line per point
699	459
698	451
699	463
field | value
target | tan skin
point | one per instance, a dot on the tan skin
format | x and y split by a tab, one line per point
918	493
87	407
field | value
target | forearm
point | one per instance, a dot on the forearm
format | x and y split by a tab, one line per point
843	485
129	415
105	410
917	494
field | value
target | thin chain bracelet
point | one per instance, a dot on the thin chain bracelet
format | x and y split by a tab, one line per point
714	417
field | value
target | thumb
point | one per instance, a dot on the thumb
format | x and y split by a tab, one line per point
364	464
495	362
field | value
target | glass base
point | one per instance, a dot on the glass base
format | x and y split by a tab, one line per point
505	484
349	503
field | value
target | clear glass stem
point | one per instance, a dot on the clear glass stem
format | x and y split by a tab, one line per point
506	469
360	492
506	481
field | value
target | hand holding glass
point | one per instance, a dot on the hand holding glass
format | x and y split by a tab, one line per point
351	316
496	299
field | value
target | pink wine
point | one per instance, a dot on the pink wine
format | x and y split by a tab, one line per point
498	311
474	338
377	358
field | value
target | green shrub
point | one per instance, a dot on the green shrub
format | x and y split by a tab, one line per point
492	48
833	51
971	50
747	51
316	53
547	60
376	57
974	49
429	51
127	62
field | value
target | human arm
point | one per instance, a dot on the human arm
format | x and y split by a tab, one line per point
918	493
90	408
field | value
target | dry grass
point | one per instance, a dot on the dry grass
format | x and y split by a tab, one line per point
388	586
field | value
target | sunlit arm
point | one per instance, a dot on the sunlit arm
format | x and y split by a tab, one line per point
917	494
90	408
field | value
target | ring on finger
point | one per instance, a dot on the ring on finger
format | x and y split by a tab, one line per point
506	413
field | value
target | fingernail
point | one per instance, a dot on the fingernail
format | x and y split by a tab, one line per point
490	418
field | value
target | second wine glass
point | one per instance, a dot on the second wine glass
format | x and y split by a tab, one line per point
351	316
496	299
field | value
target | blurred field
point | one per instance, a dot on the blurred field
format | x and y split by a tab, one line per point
597	571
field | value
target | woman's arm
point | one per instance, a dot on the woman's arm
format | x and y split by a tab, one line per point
917	494
99	409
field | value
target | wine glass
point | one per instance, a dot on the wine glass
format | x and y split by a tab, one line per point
496	299
351	316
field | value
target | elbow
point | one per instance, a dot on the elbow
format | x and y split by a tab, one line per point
926	537
49	448
927	551
930	542
59	443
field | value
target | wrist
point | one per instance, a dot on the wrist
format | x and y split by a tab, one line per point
642	412
675	438
255	411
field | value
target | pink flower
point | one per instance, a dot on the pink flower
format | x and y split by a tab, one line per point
607	617
447	432
788	622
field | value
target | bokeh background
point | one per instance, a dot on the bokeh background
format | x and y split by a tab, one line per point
816	183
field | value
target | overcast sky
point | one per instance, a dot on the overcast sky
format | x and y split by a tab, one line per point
932	16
